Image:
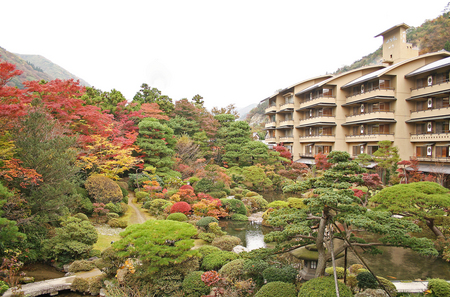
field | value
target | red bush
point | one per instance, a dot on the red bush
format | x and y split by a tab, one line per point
182	207
187	187
187	195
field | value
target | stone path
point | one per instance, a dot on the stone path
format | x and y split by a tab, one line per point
52	286
140	217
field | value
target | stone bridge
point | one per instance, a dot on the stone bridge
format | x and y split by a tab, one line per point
51	286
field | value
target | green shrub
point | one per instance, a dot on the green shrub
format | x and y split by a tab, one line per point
226	242
278	204
216	260
285	274
339	271
112	215
177	216
255	267
158	206
277	289
141	196
122	184
205	250
208	237
204	222
215	228
95	284
116	223
123	208
296	202
238	196
239	217
218	194
255	203
80	285
232	192
147	204
323	287
366	280
81	216
439	287
193	180
251	194
234	206
389	286
233	269
109	262
3	287
103	189
355	267
113	207
193	286
81	265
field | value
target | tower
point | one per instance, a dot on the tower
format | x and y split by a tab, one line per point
395	47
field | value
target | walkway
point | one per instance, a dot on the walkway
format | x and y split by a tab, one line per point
52	286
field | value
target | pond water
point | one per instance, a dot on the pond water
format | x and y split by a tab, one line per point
251	234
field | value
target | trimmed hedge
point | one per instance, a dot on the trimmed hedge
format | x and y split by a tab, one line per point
205	250
233	269
177	216
277	289
216	260
239	217
339	271
323	287
226	242
234	206
286	274
204	222
193	286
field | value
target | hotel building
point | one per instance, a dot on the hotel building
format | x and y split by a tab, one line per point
405	100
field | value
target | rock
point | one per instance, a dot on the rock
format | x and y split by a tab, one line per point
66	267
239	249
26	279
121	274
102	292
372	293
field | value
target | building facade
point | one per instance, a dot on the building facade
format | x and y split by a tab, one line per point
405	100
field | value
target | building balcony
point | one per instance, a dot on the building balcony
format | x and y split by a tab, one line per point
271	139
430	137
433	159
271	125
288	107
380	115
375	94
430	113
317	138
320	119
286	138
318	102
434	89
369	137
286	123
271	109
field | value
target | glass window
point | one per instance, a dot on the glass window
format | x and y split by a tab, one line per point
442	152
420	128
313	265
372	149
421	151
327	92
385	84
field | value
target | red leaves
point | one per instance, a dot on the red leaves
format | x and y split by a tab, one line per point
181	206
12	169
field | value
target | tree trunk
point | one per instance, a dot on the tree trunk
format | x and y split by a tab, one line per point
432	226
322	261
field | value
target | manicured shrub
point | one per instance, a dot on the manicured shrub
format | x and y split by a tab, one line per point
112	215
158	206
340	271
177	216
187	187
234	206
251	194
209	207
187	195
255	267
113	207
255	203
366	281
278	204
204	222
238	196
215	228
296	202
216	260
285	274
323	287
226	242
116	223
218	194
205	250
277	289
355	267
233	269
439	287
141	196
208	237
239	217
81	216
181	206
193	180
103	189
389	286
193	286
81	265
80	285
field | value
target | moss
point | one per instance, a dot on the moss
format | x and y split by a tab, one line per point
193	286
323	287
80	285
277	289
226	242
81	265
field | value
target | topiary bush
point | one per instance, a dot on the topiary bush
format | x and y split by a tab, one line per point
141	196
255	203
205	250
112	215
226	242
355	267
204	222
277	289
81	265
216	260
103	189
389	286
296	203
3	287
254	268
116	223
218	194
177	216
323	287
182	207
251	194
285	274
278	204
366	280
157	207
234	206
215	228
439	287
208	237
238	196
233	269
80	285
340	271
81	216
239	217
113	207
193	286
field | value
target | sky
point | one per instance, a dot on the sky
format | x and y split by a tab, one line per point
229	52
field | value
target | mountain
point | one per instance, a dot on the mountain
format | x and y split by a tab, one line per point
35	68
245	110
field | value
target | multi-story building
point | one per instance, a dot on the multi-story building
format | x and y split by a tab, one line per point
405	100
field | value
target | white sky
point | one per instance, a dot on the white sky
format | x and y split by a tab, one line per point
227	51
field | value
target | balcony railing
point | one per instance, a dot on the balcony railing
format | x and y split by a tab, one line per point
271	139
287	105
307	99
286	138
371	90
443	135
426	90
271	108
441	81
369	137
370	112
317	116
271	124
433	159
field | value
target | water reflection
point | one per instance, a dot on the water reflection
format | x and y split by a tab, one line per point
251	234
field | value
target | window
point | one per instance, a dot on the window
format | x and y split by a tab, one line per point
421	151
324	149
372	149
288	117
355	150
313	265
378	129
420	105
442	127
442	152
385	84
288	133
308	150
288	99
327	92
442	102
420	128
420	83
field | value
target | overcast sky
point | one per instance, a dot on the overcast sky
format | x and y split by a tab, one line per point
227	51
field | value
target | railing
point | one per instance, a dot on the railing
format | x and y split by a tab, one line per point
286	105
433	159
317	135
433	131
364	113
444	81
432	108
317	116
371	90
316	97
367	134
